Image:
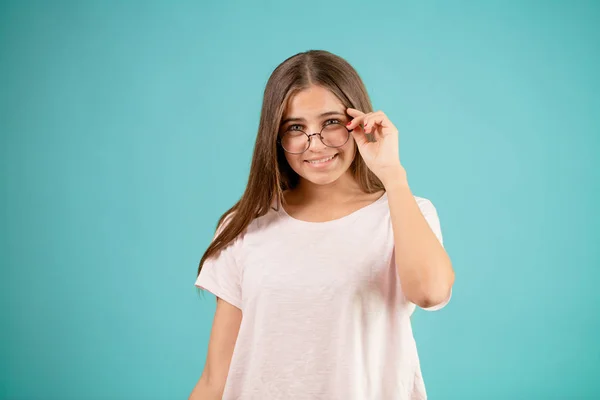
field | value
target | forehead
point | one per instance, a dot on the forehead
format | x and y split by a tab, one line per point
312	101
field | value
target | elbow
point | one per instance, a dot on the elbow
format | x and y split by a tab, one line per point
432	302
433	294
207	390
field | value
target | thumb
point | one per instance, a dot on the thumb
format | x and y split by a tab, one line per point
359	135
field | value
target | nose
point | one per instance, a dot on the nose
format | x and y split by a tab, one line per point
315	143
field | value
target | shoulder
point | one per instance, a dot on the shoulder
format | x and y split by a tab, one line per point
421	200
257	228
263	224
425	204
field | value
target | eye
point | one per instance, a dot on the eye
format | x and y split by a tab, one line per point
295	127
332	121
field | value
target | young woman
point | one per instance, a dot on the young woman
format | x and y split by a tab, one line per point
320	264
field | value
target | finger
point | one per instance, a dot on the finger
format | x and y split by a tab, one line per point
380	118
359	136
369	122
357	121
377	118
353	112
357	117
370	129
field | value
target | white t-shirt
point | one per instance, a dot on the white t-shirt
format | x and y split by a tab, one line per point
324	316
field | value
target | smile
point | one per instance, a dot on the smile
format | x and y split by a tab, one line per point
323	161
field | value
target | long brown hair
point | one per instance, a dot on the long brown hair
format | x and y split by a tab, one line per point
270	174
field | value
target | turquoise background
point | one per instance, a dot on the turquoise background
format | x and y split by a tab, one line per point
127	129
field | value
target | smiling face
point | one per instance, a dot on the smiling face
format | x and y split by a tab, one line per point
310	110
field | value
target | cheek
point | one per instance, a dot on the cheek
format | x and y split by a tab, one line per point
349	151
294	161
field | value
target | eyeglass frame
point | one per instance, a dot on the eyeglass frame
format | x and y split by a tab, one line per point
308	138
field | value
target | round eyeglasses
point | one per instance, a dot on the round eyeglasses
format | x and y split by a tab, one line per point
296	141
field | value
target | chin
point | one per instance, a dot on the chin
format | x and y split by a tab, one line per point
322	176
323	180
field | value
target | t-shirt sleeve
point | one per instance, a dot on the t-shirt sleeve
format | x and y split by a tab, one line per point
430	213
221	273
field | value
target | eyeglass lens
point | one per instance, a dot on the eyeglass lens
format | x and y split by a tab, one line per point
333	135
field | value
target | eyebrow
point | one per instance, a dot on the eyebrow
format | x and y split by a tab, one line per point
325	114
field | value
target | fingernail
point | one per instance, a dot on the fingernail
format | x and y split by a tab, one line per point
348	124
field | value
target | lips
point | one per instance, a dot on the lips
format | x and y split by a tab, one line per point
321	159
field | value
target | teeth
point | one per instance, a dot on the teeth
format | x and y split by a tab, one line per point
322	160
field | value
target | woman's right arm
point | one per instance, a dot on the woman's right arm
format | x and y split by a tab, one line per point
226	325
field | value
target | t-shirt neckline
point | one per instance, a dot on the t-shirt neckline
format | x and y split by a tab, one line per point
337	221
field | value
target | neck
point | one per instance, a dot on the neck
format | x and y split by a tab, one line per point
339	191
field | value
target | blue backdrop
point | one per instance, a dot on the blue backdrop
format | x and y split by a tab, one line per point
127	129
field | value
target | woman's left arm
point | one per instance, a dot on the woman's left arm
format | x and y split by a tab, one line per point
424	267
